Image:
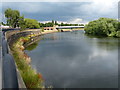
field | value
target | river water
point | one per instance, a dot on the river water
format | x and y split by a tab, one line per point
74	60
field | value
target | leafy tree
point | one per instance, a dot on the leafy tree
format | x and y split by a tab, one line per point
2	23
22	23
31	23
81	24
49	24
56	23
52	21
118	34
103	27
41	24
66	24
62	24
12	17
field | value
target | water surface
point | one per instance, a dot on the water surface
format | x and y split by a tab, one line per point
74	60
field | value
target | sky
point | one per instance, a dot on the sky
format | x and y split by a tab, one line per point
69	12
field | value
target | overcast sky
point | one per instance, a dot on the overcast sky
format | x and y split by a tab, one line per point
71	12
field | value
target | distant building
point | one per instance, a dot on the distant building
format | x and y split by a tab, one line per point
4	27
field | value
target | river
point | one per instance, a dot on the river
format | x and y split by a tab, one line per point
74	60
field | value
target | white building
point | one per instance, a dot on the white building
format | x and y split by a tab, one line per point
4	27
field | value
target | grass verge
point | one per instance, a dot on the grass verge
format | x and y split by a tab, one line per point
31	78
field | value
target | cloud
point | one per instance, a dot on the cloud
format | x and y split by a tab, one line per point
47	1
75	21
101	8
29	7
74	12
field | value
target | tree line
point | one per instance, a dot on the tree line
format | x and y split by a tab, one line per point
15	19
52	23
103	27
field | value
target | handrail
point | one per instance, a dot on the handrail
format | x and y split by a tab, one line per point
9	62
21	83
11	75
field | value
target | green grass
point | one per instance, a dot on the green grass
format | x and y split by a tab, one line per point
31	78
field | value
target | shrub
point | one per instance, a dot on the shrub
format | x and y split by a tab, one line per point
31	23
118	34
29	75
102	27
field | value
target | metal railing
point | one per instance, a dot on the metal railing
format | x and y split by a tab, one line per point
10	74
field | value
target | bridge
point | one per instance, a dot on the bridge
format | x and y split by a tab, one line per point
62	27
69	27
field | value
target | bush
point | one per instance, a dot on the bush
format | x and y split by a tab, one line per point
31	23
102	27
118	34
42	29
31	78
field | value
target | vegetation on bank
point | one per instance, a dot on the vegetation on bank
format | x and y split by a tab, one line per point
103	27
31	23
31	78
14	19
53	22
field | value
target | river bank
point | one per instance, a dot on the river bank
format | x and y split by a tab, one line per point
31	77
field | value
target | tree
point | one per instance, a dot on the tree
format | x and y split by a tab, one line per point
102	27
12	17
22	23
31	23
56	23
62	24
81	25
49	24
53	22
118	34
2	23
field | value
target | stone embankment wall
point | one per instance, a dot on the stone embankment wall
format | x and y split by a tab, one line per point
8	61
12	36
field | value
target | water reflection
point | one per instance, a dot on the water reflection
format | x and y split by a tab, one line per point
74	60
32	46
105	43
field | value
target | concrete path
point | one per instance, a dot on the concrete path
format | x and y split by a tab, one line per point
8	68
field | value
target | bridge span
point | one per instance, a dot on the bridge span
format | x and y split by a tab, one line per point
69	27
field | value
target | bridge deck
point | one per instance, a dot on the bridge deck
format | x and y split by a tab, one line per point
69	27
